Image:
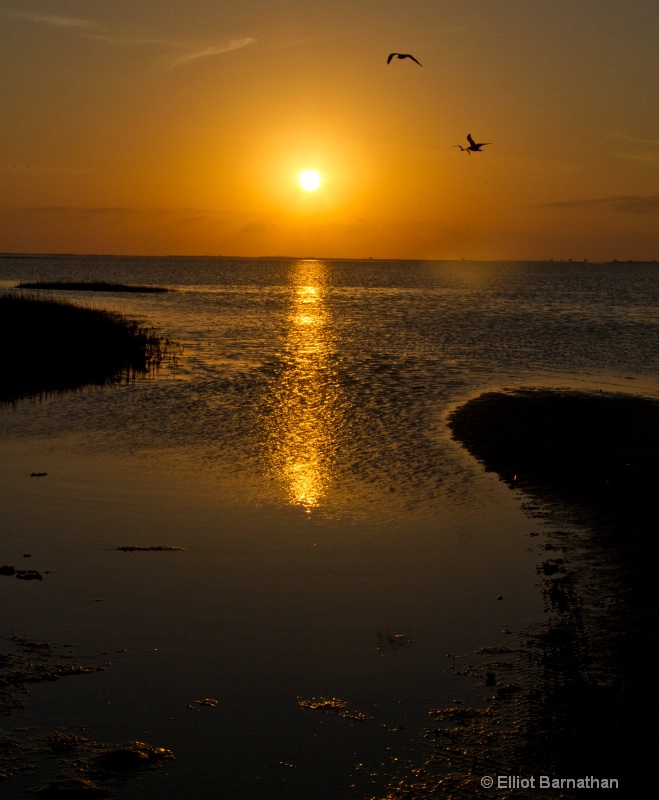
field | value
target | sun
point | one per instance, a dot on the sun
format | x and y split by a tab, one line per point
310	180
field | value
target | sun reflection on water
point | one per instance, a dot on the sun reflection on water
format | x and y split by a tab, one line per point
302	438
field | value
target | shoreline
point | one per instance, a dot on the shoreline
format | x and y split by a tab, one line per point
588	464
591	456
376	259
59	345
91	286
572	699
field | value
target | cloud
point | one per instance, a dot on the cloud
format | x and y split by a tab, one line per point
641	149
646	158
53	20
183	51
72	213
122	40
630	204
42	169
254	227
233	44
623	137
85	212
90	210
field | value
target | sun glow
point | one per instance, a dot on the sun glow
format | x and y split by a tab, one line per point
310	180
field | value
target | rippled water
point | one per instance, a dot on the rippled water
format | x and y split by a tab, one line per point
299	451
330	379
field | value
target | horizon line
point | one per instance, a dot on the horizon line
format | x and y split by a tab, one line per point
9	254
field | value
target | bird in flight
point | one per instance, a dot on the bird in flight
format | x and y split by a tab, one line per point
403	55
474	147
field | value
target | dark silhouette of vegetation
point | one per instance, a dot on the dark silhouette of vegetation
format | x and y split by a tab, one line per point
90	286
589	459
598	450
53	346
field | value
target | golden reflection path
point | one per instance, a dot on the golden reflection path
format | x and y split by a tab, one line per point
306	414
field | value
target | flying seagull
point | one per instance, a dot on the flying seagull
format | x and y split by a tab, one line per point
474	147
403	55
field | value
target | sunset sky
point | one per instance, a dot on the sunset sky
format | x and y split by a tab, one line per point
182	127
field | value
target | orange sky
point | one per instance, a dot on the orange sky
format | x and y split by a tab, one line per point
167	127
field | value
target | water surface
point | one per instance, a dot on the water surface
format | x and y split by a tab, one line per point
299	452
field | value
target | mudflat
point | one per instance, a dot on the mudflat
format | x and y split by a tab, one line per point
589	462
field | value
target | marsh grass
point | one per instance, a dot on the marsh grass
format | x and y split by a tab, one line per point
52	346
90	286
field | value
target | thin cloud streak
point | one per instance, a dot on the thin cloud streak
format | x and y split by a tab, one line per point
233	44
43	169
121	40
647	159
640	154
89	29
622	137
630	204
48	19
97	211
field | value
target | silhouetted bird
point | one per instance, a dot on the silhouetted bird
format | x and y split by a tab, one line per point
474	147
403	55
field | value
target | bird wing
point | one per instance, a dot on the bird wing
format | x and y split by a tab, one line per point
470	140
391	56
407	55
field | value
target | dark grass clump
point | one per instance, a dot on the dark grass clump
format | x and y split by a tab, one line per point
590	459
90	286
53	346
599	450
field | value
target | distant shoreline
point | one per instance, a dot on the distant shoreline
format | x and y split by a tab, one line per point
90	286
374	259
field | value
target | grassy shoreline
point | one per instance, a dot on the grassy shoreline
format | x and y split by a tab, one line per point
53	346
91	286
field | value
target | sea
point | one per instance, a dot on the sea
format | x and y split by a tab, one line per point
342	558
